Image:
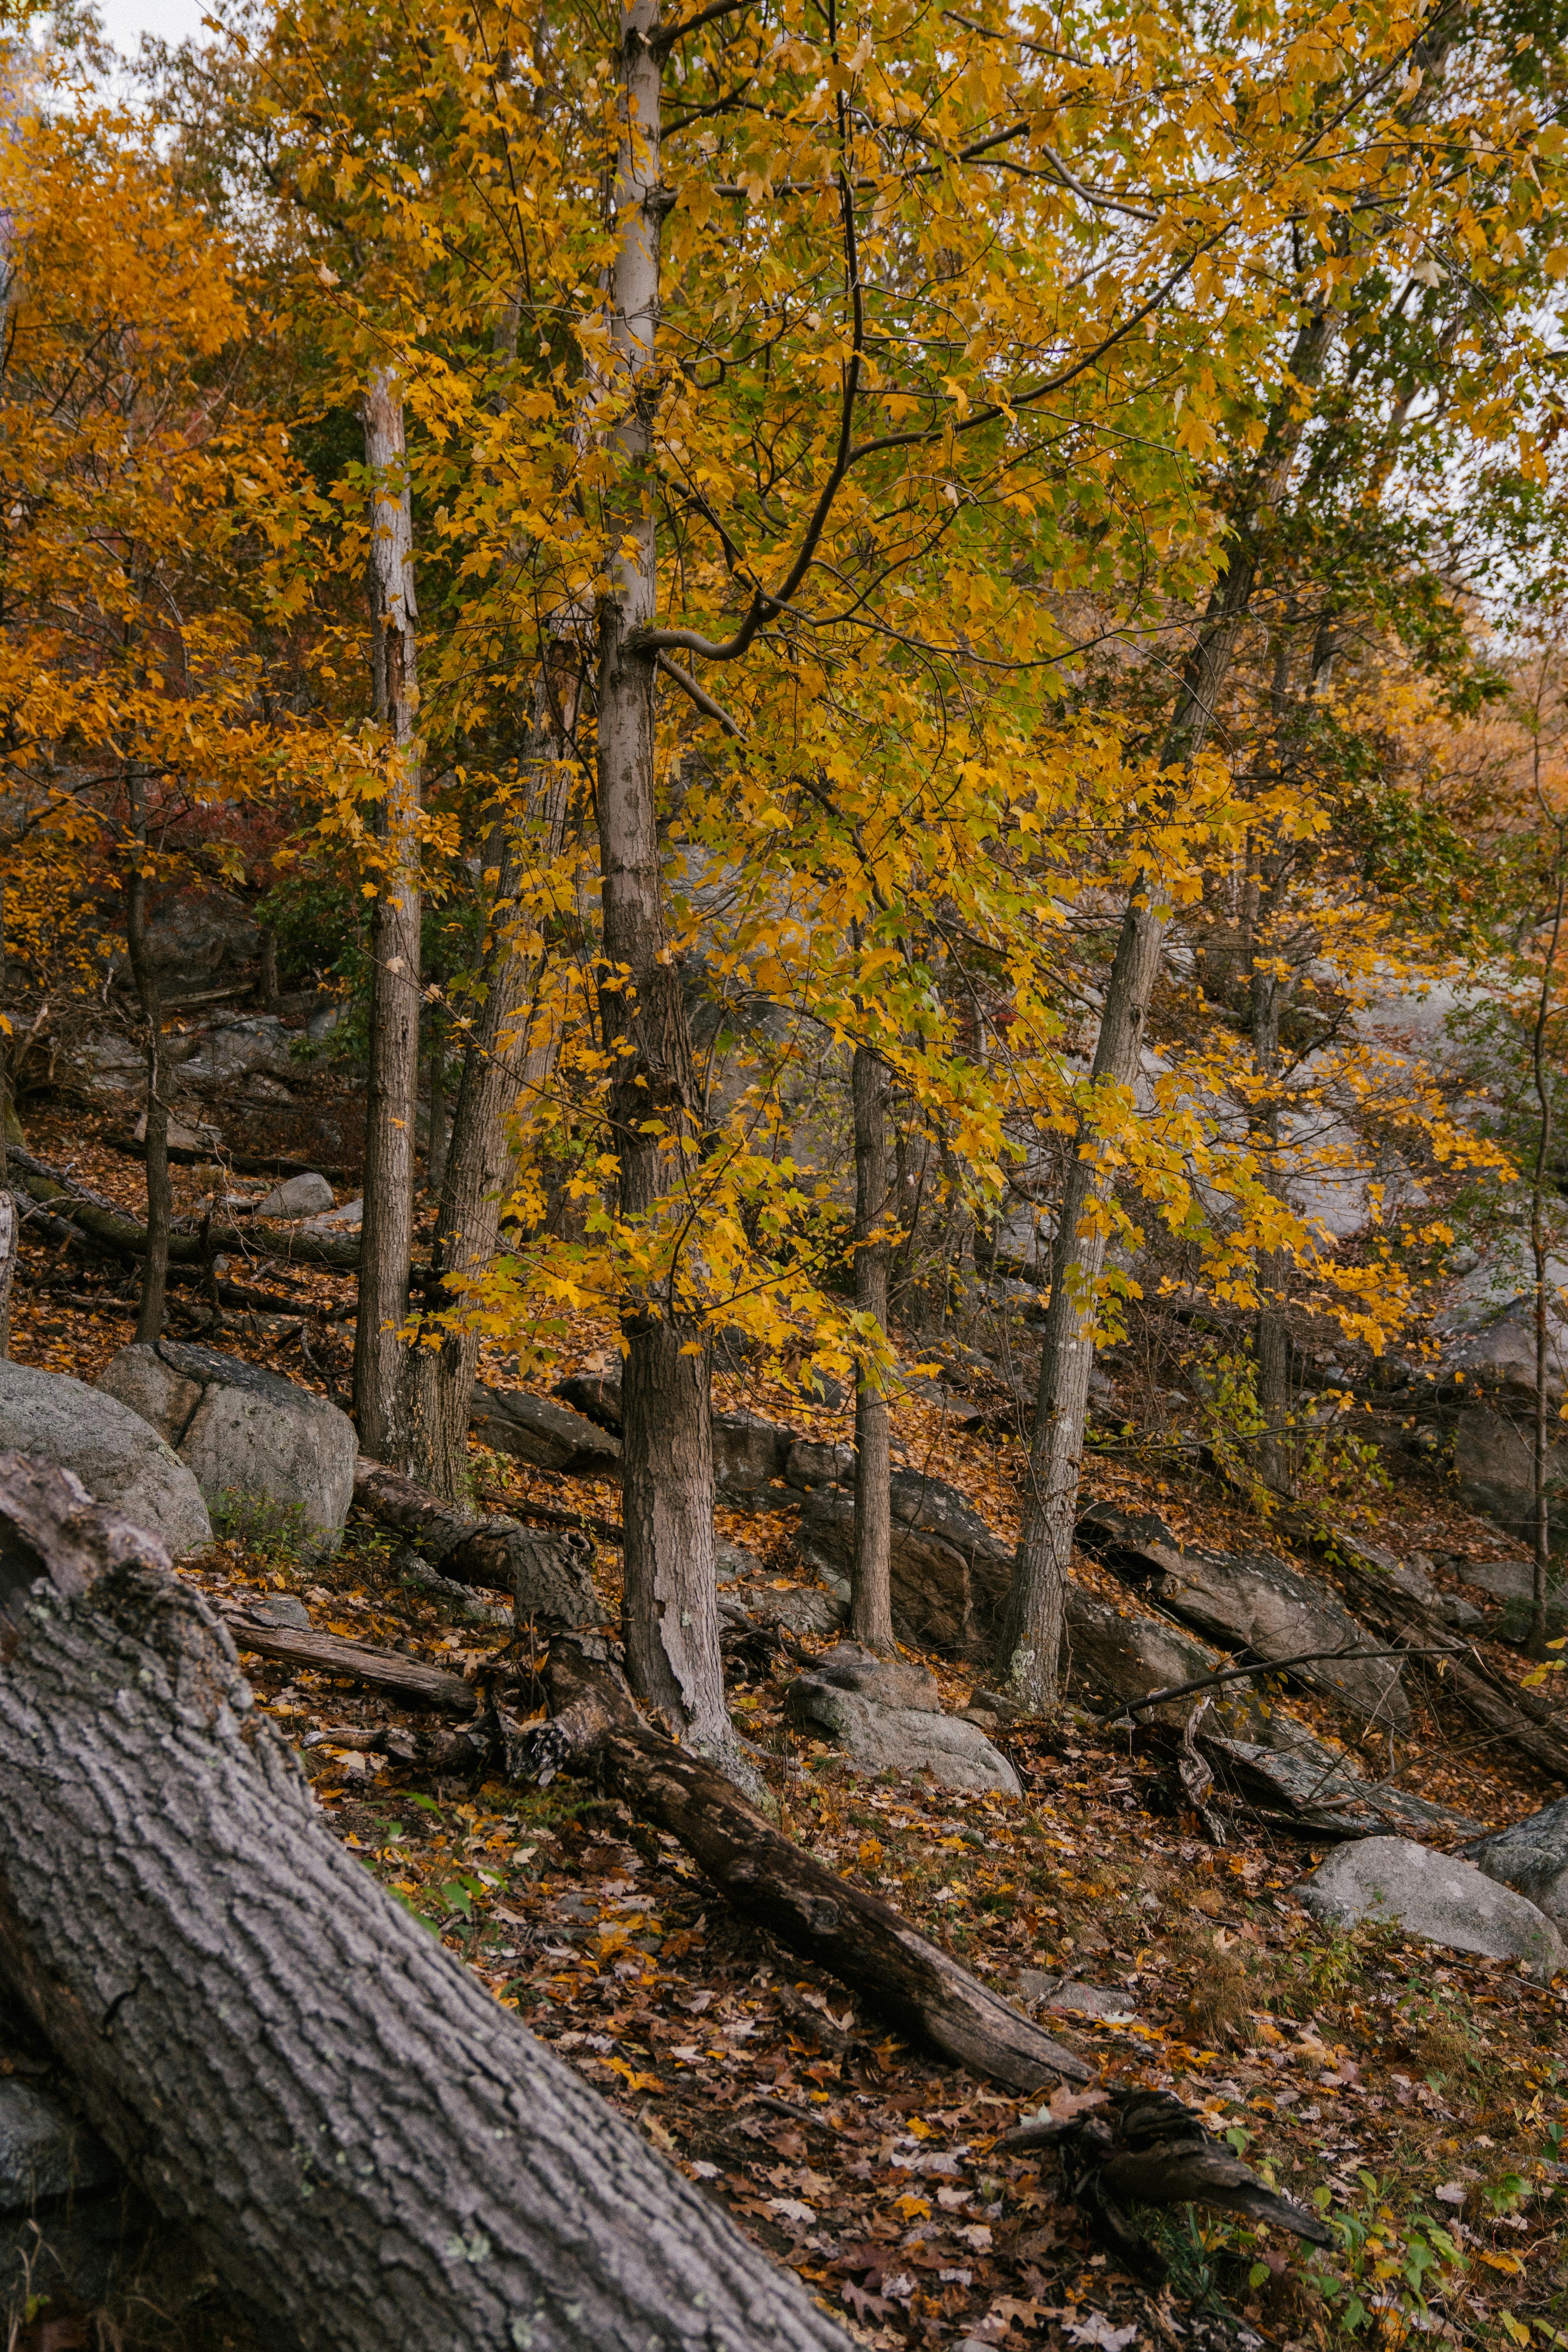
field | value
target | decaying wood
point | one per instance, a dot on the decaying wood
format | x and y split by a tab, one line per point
547	1576
850	1932
367	2147
1144	2147
409	1680
109	1228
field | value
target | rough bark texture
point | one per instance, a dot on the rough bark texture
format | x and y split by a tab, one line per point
369	2150
10	1233
547	1576
671	1620
1542	1074
145	977
871	1582
382	1406
842	1927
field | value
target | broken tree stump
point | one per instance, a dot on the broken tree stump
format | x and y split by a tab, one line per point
368	2148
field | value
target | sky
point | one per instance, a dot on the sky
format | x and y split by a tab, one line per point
125	21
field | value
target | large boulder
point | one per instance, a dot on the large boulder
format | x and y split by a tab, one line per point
248	1436
1112	1657
1494	1463
886	1717
949	1573
309	1195
1530	1857
749	1454
1393	1882
1250	1601
123	1460
536	1429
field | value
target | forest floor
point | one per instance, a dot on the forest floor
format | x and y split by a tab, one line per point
1418	2096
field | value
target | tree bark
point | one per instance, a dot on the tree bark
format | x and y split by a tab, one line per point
478	1158
842	1927
406	1680
366	2147
871	1596
1540	1254
160	1191
382	1405
547	1576
671	1616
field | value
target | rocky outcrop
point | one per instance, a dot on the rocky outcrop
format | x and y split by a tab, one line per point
1530	1857
248	1437
122	1458
886	1715
949	1573
1393	1882
1250	1601
1494	1463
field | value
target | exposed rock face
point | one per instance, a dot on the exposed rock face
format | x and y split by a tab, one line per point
1321	1790
1393	1882
538	1430
1495	1465
302	1196
844	1705
949	1573
1251	1601
233	1051
247	1435
1531	1856
121	1458
597	1394
749	1453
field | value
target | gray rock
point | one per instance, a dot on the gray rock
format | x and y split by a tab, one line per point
736	1564
1045	1989
900	1739
749	1453
803	1609
346	1220
1250	1601
596	1394
539	1430
949	1573
1414	1576
1494	1467
44	2150
889	1681
1112	1657
121	1459
249	1437
1530	1857
1508	1580
300	1196
1393	1882
812	1462
253	1046
281	1608
1321	1791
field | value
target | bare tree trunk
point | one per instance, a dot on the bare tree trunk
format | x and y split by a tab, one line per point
1540	1258
160	1191
368	2148
1275	1450
435	1138
671	1619
1029	1647
387	1241
871	1601
10	1230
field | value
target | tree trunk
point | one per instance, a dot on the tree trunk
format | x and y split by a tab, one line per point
768	1878
670	1612
368	2148
547	1576
10	1237
386	1235
435	1140
478	1157
160	1191
1541	1256
1030	1649
871	1599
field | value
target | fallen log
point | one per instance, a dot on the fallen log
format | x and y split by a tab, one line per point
365	2145
123	1236
409	1680
843	1928
547	1576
